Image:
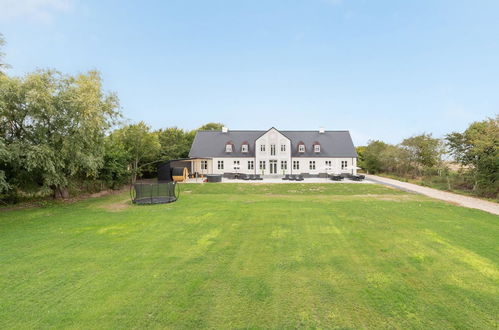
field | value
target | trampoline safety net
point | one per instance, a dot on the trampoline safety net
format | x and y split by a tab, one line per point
154	193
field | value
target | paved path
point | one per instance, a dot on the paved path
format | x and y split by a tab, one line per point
471	202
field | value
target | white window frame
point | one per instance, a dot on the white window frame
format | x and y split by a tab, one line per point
204	165
344	164
262	147
262	165
272	149
228	147
284	164
244	148
296	164
328	163
317	148
220	164
311	165
301	148
251	164
283	147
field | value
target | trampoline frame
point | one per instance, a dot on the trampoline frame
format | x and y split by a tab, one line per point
154	193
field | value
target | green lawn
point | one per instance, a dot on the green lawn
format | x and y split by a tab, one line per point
251	256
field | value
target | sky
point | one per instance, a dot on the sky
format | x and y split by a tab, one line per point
380	69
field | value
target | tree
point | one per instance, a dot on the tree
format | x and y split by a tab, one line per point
141	145
53	127
115	171
3	65
478	149
372	156
360	156
211	127
175	143
424	151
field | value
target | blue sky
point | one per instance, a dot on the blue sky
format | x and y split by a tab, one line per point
381	69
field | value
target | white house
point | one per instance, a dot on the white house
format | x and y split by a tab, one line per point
273	152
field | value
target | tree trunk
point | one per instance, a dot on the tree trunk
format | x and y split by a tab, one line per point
60	192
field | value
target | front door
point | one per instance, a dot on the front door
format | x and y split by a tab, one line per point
273	166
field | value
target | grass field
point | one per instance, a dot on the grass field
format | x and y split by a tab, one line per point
251	256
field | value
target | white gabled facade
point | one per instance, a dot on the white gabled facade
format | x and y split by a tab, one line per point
272	155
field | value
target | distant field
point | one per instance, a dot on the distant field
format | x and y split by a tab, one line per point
251	256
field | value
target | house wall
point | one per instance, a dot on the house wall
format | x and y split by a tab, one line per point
229	166
320	165
273	137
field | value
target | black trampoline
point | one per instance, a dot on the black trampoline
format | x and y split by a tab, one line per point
154	193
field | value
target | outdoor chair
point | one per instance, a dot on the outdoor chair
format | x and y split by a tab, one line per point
336	177
357	177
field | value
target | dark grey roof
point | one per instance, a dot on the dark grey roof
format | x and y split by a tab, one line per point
209	144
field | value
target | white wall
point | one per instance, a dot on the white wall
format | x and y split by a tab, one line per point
320	165
272	137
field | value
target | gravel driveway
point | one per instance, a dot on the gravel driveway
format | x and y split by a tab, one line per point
471	202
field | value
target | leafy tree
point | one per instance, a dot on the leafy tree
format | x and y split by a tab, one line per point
372	156
140	143
115	171
3	65
424	151
478	149
53	127
211	127
175	143
360	154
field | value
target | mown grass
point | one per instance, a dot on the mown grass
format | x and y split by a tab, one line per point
251	256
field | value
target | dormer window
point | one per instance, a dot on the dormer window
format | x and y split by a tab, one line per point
301	148
228	147
244	148
317	148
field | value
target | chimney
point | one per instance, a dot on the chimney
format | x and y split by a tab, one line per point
224	129
321	130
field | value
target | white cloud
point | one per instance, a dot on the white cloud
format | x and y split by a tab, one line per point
37	10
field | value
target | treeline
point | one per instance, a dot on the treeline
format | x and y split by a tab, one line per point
462	161
61	135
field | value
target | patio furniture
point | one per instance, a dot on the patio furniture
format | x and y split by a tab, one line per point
336	177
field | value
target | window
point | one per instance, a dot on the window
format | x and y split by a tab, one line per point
283	147
244	148
236	163
228	148
262	164
272	149
220	164
317	148
251	165
262	147
312	164
344	164
204	164
296	165
301	148
284	165
328	163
